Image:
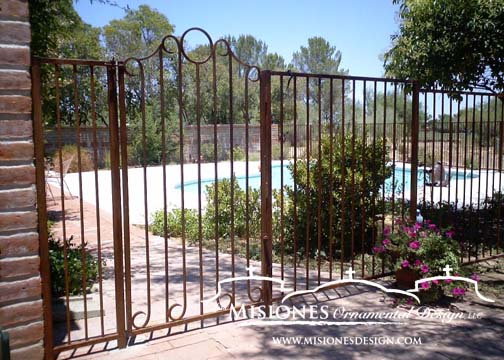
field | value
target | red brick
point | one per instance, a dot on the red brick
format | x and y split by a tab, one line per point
19	220
20	290
15	56
12	129
15	104
19	244
18	267
17	198
26	334
16	9
14	33
21	313
17	175
33	352
14	80
16	151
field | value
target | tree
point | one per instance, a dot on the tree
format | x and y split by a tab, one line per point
138	34
455	44
320	57
58	31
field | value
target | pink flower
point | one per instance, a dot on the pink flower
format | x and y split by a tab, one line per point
432	226
405	264
435	282
450	233
415	245
458	291
417	262
386	231
425	285
386	241
475	277
378	249
418	226
427	221
424	268
448	281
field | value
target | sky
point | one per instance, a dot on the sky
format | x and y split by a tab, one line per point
360	29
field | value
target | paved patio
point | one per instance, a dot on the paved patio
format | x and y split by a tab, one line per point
464	338
458	339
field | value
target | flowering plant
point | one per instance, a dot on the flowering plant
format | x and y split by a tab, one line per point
424	249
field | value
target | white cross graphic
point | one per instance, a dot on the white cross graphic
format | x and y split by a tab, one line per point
250	270
350	273
447	269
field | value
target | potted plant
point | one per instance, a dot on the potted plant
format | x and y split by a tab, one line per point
418	250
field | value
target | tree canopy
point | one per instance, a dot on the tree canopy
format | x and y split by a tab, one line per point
454	44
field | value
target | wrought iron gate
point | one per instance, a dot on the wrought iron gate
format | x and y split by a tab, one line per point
173	173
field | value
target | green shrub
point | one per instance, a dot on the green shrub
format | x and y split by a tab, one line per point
174	224
472	225
207	152
75	256
359	200
238	154
225	204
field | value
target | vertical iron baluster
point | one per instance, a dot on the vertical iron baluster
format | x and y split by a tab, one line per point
282	231
63	211
434	125
125	194
353	179
165	201
116	203
97	199
266	210
363	183
384	163
331	180
200	224
394	120
45	268
307	189
295	183
81	200
216	179
343	175
319	209
441	151
373	196
231	160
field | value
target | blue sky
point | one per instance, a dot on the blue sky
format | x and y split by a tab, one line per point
360	29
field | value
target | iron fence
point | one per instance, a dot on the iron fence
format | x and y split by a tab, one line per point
295	173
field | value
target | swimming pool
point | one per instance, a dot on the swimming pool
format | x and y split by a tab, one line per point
254	179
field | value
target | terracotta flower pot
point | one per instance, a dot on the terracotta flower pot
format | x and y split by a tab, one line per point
405	278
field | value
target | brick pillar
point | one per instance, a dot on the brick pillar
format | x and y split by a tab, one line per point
20	284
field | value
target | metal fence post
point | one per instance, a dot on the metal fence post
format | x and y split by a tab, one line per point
266	205
414	150
45	271
116	203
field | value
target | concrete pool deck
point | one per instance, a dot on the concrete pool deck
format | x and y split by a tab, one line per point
476	189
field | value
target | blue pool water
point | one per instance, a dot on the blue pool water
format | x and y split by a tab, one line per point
254	180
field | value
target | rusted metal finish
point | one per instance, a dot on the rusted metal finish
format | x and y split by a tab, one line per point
266	192
116	204
321	222
415	127
42	212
